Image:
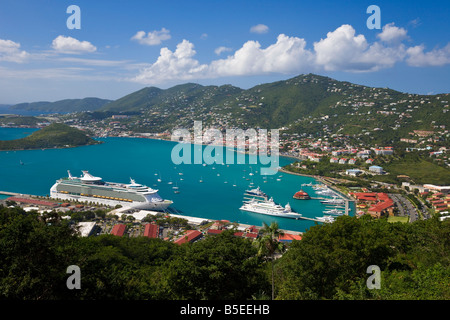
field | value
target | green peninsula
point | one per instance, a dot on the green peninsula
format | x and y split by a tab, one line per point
56	135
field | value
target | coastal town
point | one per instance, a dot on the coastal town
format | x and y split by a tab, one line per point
213	158
357	168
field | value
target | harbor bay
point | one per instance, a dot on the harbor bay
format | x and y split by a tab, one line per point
213	191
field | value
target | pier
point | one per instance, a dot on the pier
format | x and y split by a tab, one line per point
311	219
12	194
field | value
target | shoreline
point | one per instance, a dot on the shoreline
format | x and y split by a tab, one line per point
321	179
139	215
31	149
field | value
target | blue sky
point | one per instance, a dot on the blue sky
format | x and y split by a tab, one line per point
123	46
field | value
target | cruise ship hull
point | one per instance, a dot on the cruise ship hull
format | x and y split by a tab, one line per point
156	206
94	190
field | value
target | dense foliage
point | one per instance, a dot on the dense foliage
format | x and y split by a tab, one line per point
330	262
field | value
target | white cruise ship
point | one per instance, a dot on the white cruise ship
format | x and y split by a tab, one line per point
269	207
94	189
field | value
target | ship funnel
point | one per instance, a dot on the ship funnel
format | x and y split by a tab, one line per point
70	176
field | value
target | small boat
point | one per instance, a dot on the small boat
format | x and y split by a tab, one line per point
335	200
334	211
326	219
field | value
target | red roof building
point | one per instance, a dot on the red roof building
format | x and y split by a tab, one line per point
214	231
380	202
189	236
33	201
151	230
118	230
287	237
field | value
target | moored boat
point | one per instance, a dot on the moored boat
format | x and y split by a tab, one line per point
94	189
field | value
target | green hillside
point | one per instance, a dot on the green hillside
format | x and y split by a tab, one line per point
56	135
308	104
67	105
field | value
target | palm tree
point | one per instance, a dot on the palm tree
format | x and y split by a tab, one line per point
268	245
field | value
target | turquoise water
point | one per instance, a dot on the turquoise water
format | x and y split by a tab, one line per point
145	160
15	133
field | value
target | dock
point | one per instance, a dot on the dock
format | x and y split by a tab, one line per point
311	219
12	194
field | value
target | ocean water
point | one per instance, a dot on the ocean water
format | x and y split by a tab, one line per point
15	133
145	160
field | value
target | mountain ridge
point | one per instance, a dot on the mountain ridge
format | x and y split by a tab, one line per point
65	105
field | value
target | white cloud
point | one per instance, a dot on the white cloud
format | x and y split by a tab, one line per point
10	51
287	55
259	28
204	36
342	50
219	50
177	65
392	34
437	57
71	45
152	38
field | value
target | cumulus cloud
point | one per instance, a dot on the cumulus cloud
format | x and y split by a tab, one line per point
259	28
10	51
219	50
176	65
437	57
342	50
152	38
71	45
392	34
287	55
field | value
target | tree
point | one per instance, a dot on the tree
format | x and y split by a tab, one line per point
268	246
218	267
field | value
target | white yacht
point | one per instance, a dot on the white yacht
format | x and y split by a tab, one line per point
327	219
335	200
93	189
256	192
334	211
269	207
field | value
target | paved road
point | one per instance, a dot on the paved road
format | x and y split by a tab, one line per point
405	207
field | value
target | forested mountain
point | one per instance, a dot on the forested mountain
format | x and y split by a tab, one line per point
306	103
67	105
56	135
